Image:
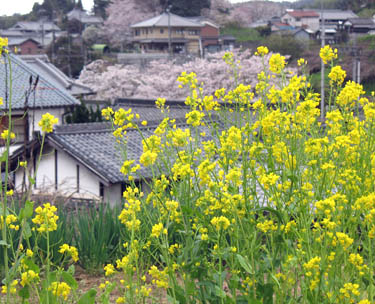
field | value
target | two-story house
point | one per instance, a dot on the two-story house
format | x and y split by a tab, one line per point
301	18
154	35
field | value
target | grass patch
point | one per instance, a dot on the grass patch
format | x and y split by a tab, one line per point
242	34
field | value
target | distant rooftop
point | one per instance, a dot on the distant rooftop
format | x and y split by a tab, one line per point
337	14
303	14
35	26
162	21
42	66
83	17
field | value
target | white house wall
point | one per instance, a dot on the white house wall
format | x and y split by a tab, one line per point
113	194
33	123
67	179
36	115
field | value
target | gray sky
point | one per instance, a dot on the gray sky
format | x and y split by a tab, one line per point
24	6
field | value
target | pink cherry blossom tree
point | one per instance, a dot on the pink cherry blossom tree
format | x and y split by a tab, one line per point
158	79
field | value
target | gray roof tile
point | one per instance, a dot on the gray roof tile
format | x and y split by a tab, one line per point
46	94
94	145
162	21
148	111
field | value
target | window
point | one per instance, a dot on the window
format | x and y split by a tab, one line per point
180	31
18	128
193	32
161	31
101	189
137	32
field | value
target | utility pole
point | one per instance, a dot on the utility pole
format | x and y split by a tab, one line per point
168	10
354	54
322	77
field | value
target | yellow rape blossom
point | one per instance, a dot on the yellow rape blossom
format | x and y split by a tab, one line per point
327	54
261	51
3	44
29	277
277	63
220	222
46	218
337	75
109	269
71	250
61	289
47	122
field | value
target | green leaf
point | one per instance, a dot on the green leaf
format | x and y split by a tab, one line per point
219	292
71	270
32	181
27	231
4	243
88	297
29	209
276	280
31	265
3	157
172	300
68	278
245	264
24	292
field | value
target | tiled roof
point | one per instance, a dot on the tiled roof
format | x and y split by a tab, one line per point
368	22
43	67
35	26
83	17
19	40
303	14
45	95
94	145
162	21
337	14
147	110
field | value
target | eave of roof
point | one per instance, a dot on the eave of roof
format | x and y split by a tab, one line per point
46	94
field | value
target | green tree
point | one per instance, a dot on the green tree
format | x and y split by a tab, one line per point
100	8
83	114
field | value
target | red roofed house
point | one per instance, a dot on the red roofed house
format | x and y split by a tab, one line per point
301	18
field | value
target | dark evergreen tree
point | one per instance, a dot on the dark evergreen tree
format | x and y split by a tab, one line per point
100	7
186	8
83	114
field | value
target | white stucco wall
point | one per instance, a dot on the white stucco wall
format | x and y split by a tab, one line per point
89	183
67	178
37	114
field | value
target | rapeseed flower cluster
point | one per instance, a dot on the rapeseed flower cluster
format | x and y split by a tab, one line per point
71	250
327	54
251	199
61	290
46	218
47	122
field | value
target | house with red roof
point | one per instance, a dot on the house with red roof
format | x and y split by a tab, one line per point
302	18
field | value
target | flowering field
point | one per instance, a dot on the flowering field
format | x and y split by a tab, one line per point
254	199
